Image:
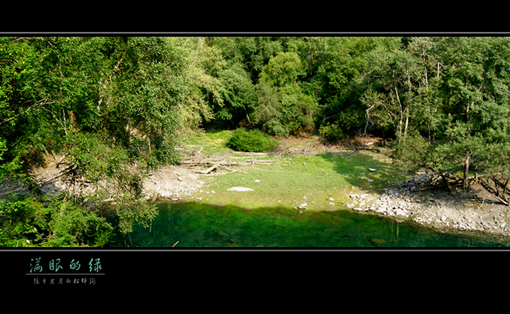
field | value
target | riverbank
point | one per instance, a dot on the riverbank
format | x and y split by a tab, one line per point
474	213
309	176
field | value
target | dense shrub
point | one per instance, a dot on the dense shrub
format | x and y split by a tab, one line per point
331	132
250	141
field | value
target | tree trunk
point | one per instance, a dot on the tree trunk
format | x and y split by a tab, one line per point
466	170
407	123
399	129
446	182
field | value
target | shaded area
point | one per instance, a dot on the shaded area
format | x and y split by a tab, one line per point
201	226
354	167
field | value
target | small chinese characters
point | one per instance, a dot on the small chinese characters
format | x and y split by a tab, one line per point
66	281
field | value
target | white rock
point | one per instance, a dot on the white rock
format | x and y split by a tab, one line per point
239	188
372	169
331	203
257	180
330	199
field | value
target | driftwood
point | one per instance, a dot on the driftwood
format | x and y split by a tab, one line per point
212	162
215	164
210	169
251	154
499	190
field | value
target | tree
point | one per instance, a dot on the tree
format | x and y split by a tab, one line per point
283	69
109	105
476	80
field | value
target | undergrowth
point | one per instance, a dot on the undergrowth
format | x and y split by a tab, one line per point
250	141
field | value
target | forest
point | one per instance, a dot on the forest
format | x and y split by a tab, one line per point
115	108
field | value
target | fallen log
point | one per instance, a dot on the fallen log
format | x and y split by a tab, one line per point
251	154
255	161
210	169
494	191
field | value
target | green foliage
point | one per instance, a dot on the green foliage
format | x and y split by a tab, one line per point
239	94
282	69
250	141
135	213
410	151
268	111
51	222
331	132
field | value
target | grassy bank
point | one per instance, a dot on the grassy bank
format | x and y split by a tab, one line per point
294	179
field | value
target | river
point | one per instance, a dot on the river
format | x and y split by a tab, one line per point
191	225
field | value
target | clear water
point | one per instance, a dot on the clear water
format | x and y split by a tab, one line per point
193	225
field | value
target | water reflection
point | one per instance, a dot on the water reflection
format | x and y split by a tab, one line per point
201	226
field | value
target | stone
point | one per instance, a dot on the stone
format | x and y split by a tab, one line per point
330	199
239	188
372	169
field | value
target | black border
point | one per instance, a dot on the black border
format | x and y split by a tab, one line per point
206	270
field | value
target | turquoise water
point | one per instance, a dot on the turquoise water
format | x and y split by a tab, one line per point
190	225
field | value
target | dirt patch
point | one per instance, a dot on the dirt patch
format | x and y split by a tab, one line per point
172	182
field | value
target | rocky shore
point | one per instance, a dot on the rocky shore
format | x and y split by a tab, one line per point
458	212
